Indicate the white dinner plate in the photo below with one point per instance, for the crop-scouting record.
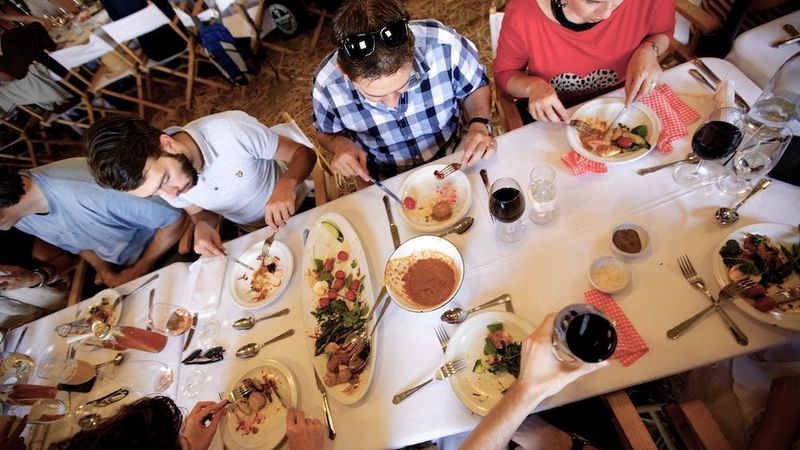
(426, 190)
(107, 295)
(240, 281)
(779, 233)
(480, 392)
(607, 108)
(323, 244)
(273, 428)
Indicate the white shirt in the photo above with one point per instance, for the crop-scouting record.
(239, 172)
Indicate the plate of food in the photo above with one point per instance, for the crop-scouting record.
(259, 419)
(337, 296)
(770, 254)
(432, 203)
(106, 307)
(424, 273)
(252, 290)
(623, 142)
(490, 342)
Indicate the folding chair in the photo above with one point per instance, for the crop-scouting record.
(506, 108)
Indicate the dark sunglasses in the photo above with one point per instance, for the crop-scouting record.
(361, 45)
(211, 355)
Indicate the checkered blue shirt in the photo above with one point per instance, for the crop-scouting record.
(446, 70)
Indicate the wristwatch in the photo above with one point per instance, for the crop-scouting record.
(485, 122)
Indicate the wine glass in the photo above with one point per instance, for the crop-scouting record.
(583, 332)
(715, 139)
(754, 158)
(66, 371)
(169, 319)
(507, 204)
(146, 377)
(542, 193)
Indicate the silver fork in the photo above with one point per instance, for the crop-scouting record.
(266, 247)
(691, 276)
(238, 393)
(442, 336)
(727, 293)
(447, 170)
(449, 369)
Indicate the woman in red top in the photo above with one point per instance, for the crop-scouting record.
(563, 52)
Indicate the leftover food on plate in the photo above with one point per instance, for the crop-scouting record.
(616, 141)
(251, 411)
(775, 266)
(500, 353)
(266, 279)
(432, 207)
(102, 310)
(425, 279)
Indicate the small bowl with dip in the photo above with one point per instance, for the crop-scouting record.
(424, 273)
(629, 240)
(608, 274)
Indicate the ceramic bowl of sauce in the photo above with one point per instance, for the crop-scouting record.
(610, 275)
(629, 240)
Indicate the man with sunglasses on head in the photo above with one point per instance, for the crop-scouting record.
(390, 97)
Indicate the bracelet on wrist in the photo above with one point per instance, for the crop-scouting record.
(45, 274)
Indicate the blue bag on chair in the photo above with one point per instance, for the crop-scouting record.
(222, 51)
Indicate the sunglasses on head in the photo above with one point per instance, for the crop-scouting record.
(361, 45)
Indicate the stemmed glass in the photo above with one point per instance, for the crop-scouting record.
(169, 319)
(583, 332)
(207, 334)
(507, 204)
(715, 139)
(146, 377)
(542, 193)
(754, 158)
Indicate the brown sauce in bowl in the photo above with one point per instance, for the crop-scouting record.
(627, 240)
(429, 282)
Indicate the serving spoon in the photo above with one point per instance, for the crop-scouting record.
(252, 349)
(361, 353)
(458, 315)
(727, 216)
(246, 323)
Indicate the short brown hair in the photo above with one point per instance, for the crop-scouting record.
(117, 148)
(366, 16)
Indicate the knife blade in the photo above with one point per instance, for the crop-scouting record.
(485, 178)
(386, 190)
(326, 407)
(740, 102)
(240, 263)
(618, 118)
(150, 306)
(784, 42)
(191, 332)
(392, 226)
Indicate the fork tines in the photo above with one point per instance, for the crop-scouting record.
(442, 336)
(454, 366)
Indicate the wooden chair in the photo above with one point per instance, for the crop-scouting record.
(506, 109)
(251, 19)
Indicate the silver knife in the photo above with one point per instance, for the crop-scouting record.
(325, 405)
(485, 179)
(392, 226)
(617, 118)
(784, 42)
(387, 191)
(150, 306)
(740, 102)
(133, 291)
(191, 332)
(240, 263)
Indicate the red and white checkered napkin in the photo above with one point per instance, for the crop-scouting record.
(673, 113)
(581, 166)
(630, 346)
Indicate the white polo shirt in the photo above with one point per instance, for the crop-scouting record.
(239, 172)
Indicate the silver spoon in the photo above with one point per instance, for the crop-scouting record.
(252, 349)
(691, 158)
(727, 216)
(116, 361)
(458, 315)
(361, 352)
(459, 227)
(245, 323)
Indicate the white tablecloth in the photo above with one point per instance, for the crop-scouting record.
(754, 56)
(544, 272)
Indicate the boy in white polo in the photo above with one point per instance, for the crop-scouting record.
(226, 164)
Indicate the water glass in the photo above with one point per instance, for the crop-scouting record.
(193, 383)
(507, 205)
(208, 332)
(759, 152)
(169, 319)
(542, 194)
(57, 369)
(583, 332)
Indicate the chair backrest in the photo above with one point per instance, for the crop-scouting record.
(78, 55)
(292, 131)
(132, 26)
(495, 23)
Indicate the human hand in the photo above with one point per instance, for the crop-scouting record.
(207, 241)
(16, 277)
(540, 370)
(106, 276)
(303, 433)
(280, 205)
(478, 145)
(197, 433)
(543, 102)
(350, 161)
(642, 73)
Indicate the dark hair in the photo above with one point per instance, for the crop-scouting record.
(11, 187)
(149, 423)
(366, 16)
(117, 148)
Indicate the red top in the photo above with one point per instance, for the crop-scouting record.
(577, 63)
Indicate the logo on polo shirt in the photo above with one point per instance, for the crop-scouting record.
(239, 174)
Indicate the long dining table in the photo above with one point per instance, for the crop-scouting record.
(544, 272)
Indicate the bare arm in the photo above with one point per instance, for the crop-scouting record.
(281, 204)
(207, 241)
(105, 271)
(162, 241)
(478, 144)
(349, 159)
(643, 68)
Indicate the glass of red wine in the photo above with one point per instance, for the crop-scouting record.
(715, 139)
(507, 204)
(583, 332)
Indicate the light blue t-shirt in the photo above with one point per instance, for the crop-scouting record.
(84, 216)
